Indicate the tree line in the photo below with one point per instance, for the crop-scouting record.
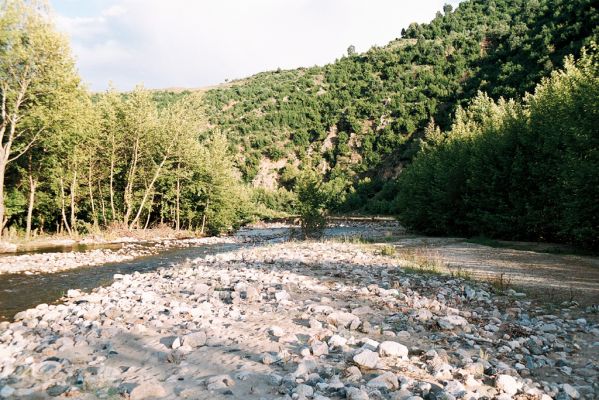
(525, 170)
(73, 162)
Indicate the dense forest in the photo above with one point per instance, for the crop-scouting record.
(388, 131)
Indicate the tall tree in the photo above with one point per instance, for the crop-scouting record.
(37, 73)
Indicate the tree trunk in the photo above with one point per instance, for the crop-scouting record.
(128, 195)
(147, 192)
(73, 211)
(102, 205)
(63, 210)
(113, 216)
(149, 212)
(178, 208)
(2, 206)
(91, 195)
(32, 187)
(204, 216)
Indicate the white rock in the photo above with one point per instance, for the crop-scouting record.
(508, 384)
(281, 296)
(342, 319)
(319, 348)
(393, 349)
(147, 391)
(366, 358)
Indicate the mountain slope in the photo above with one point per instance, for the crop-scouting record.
(362, 115)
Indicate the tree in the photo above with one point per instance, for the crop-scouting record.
(37, 75)
(222, 193)
(351, 50)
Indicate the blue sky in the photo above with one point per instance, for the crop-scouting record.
(197, 43)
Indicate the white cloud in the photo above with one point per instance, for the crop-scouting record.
(198, 43)
(114, 11)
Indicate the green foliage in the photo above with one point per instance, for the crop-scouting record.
(313, 201)
(315, 197)
(366, 114)
(225, 199)
(516, 171)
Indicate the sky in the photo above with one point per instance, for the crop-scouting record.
(199, 43)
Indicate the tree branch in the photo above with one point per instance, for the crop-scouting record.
(27, 147)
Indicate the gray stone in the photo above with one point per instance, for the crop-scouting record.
(452, 321)
(388, 380)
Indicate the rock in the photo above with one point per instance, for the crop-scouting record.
(507, 384)
(423, 315)
(319, 348)
(337, 341)
(353, 393)
(342, 319)
(282, 296)
(388, 380)
(6, 392)
(73, 293)
(201, 289)
(570, 391)
(367, 359)
(219, 382)
(195, 339)
(147, 391)
(56, 390)
(314, 323)
(276, 331)
(393, 349)
(353, 374)
(269, 358)
(455, 388)
(6, 247)
(304, 391)
(451, 321)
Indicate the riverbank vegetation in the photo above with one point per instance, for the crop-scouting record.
(75, 162)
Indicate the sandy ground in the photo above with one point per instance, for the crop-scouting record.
(550, 277)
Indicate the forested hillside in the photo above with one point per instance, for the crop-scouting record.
(359, 119)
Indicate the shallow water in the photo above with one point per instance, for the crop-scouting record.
(19, 292)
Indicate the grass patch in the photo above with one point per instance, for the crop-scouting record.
(500, 283)
(388, 250)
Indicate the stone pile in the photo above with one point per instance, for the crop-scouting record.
(299, 321)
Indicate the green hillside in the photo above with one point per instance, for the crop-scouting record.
(361, 115)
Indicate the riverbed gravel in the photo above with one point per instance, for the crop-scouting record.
(300, 320)
(52, 262)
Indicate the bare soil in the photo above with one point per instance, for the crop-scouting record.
(548, 277)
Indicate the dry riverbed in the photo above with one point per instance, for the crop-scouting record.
(299, 320)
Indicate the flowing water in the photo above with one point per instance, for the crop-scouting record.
(19, 291)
